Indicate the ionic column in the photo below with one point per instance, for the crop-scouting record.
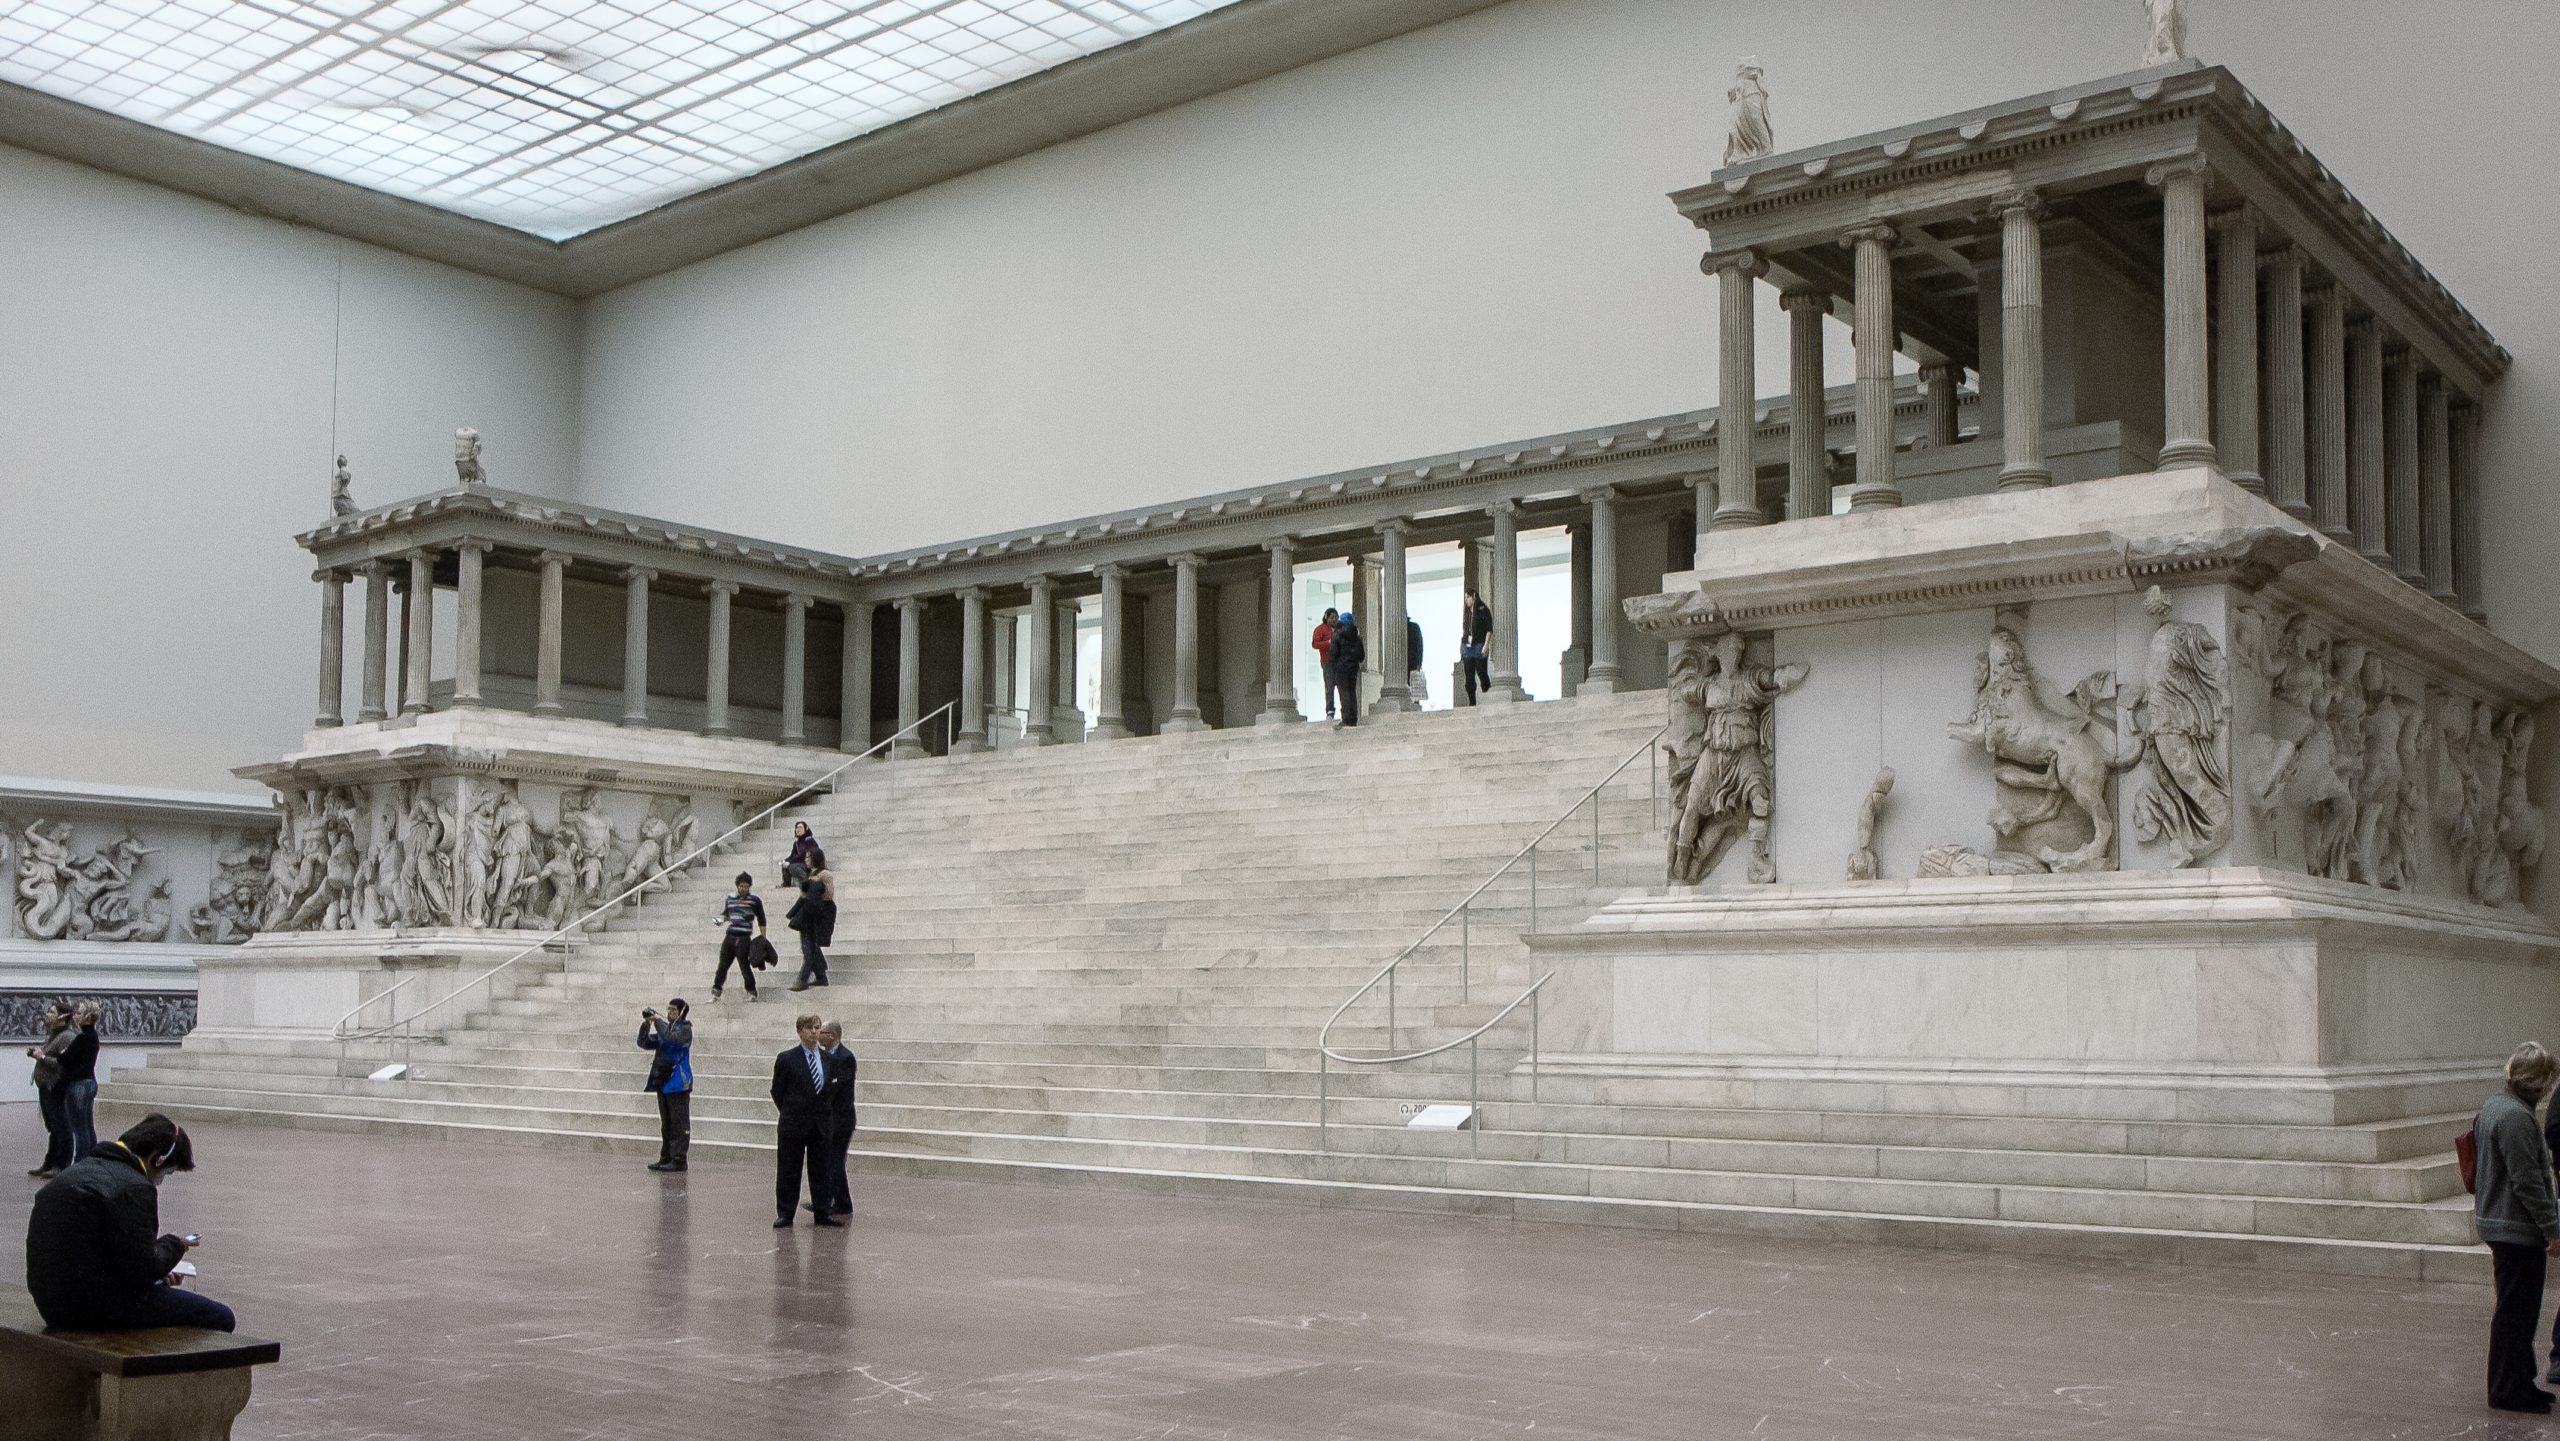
(1702, 504)
(1938, 401)
(853, 683)
(2435, 486)
(2367, 509)
(1504, 664)
(1808, 466)
(466, 620)
(2325, 434)
(795, 669)
(715, 679)
(2400, 465)
(2466, 510)
(1186, 646)
(2288, 467)
(1280, 695)
(377, 639)
(1043, 625)
(909, 744)
(973, 673)
(400, 676)
(635, 644)
(1605, 676)
(1737, 464)
(546, 645)
(422, 630)
(1395, 666)
(2187, 415)
(1872, 247)
(1111, 721)
(2235, 431)
(2022, 462)
(333, 648)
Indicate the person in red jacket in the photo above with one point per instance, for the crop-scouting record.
(1322, 640)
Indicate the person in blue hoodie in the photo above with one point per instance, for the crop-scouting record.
(2514, 1212)
(671, 1078)
(1342, 669)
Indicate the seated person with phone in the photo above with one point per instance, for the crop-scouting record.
(95, 1260)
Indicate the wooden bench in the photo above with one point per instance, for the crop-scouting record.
(175, 1383)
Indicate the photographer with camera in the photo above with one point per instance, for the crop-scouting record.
(671, 1078)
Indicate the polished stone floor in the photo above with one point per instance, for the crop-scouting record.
(439, 1289)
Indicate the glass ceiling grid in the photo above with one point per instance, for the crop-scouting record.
(548, 116)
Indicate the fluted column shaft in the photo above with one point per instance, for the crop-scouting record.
(333, 648)
(2186, 412)
(377, 639)
(2465, 441)
(2400, 465)
(2288, 465)
(548, 632)
(2235, 431)
(467, 613)
(2325, 431)
(2368, 513)
(1185, 715)
(715, 678)
(853, 682)
(1604, 675)
(1505, 582)
(1395, 665)
(1808, 464)
(795, 669)
(911, 677)
(2435, 482)
(972, 736)
(1702, 490)
(1871, 248)
(1938, 402)
(2022, 462)
(1280, 695)
(1737, 386)
(1111, 720)
(422, 630)
(400, 676)
(1042, 622)
(635, 645)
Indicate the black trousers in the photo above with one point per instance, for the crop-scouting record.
(2511, 1326)
(802, 1145)
(675, 1125)
(813, 961)
(733, 947)
(839, 1141)
(1479, 676)
(1348, 687)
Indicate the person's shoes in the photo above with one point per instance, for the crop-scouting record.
(715, 995)
(832, 1222)
(820, 981)
(783, 1225)
(666, 1165)
(43, 1174)
(798, 986)
(2537, 1402)
(751, 996)
(841, 1211)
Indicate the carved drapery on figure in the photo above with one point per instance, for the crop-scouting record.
(2165, 42)
(2053, 759)
(466, 457)
(62, 897)
(2182, 713)
(342, 499)
(1862, 856)
(1750, 136)
(1722, 756)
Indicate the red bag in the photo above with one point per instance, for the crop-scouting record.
(2466, 1151)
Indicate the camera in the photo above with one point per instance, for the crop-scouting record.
(648, 1011)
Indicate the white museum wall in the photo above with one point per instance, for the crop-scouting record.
(175, 378)
(1456, 238)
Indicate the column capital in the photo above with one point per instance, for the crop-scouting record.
(1397, 526)
(1792, 300)
(2230, 216)
(2168, 170)
(418, 555)
(2327, 296)
(1037, 583)
(1745, 260)
(482, 546)
(2279, 256)
(327, 574)
(797, 600)
(1504, 509)
(905, 602)
(2430, 383)
(2010, 202)
(1190, 558)
(2360, 326)
(974, 594)
(719, 587)
(1597, 495)
(640, 573)
(553, 557)
(1111, 570)
(1877, 231)
(1945, 369)
(1279, 543)
(372, 568)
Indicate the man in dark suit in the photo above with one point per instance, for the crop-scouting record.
(839, 1116)
(803, 1083)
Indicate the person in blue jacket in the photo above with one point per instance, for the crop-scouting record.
(671, 1078)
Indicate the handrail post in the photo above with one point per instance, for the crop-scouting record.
(1533, 889)
(1324, 1074)
(1391, 1010)
(1534, 993)
(1466, 947)
(1595, 835)
(1653, 781)
(1475, 1102)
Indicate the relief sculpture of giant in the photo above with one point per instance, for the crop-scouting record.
(1722, 755)
(2053, 759)
(60, 896)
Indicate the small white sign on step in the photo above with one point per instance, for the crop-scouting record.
(1442, 1118)
(391, 1072)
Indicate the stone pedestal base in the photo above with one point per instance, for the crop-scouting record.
(2221, 995)
(297, 986)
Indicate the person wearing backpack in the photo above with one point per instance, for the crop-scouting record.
(2515, 1214)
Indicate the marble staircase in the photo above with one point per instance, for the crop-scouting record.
(1106, 965)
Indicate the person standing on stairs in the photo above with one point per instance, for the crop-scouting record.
(2515, 1215)
(804, 1091)
(1475, 633)
(840, 1122)
(814, 917)
(671, 1078)
(1342, 673)
(1417, 683)
(803, 841)
(742, 922)
(1322, 643)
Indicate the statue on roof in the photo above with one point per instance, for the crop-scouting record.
(466, 457)
(1750, 137)
(2167, 43)
(340, 502)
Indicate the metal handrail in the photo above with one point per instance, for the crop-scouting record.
(948, 712)
(1462, 913)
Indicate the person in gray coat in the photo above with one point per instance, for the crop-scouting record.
(2513, 1210)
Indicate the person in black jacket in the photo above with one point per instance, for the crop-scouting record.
(1475, 635)
(814, 917)
(840, 1118)
(1416, 683)
(93, 1260)
(80, 1081)
(671, 1080)
(804, 1091)
(1350, 652)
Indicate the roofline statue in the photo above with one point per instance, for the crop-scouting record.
(1750, 138)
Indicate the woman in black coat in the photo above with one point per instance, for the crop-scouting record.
(814, 917)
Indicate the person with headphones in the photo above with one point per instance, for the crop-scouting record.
(94, 1262)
